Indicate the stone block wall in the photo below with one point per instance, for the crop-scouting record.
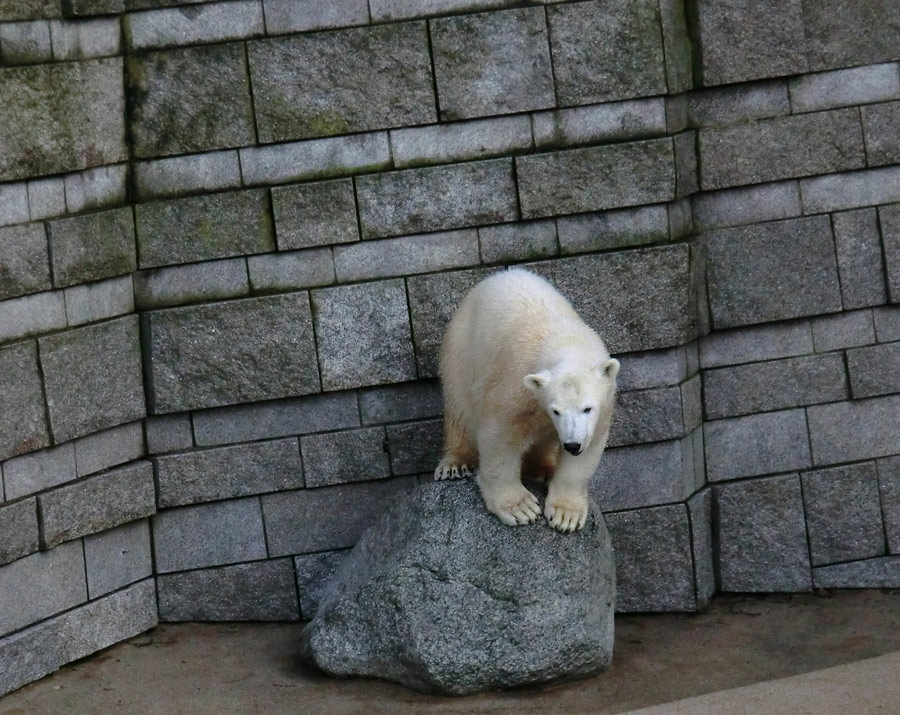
(232, 234)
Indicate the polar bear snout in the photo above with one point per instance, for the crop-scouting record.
(573, 448)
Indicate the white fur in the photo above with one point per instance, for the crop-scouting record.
(519, 369)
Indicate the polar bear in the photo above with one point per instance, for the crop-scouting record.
(528, 390)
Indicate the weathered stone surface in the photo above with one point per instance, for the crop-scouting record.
(24, 263)
(193, 283)
(195, 537)
(841, 33)
(647, 416)
(440, 197)
(613, 229)
(316, 214)
(92, 302)
(118, 557)
(887, 323)
(442, 143)
(81, 8)
(757, 342)
(238, 351)
(91, 247)
(871, 573)
(762, 536)
(843, 514)
(36, 471)
(262, 591)
(283, 16)
(677, 44)
(596, 178)
(469, 599)
(363, 335)
(843, 330)
(168, 433)
(881, 125)
(653, 559)
(874, 370)
(340, 82)
(203, 227)
(700, 514)
(403, 9)
(180, 175)
(11, 10)
(845, 87)
(775, 385)
(46, 198)
(858, 247)
(603, 122)
(84, 40)
(653, 368)
(187, 100)
(415, 447)
(817, 143)
(109, 448)
(518, 241)
(853, 430)
(729, 105)
(747, 204)
(850, 189)
(756, 444)
(340, 457)
(19, 529)
(31, 314)
(772, 271)
(22, 43)
(492, 63)
(890, 237)
(314, 572)
(207, 22)
(61, 117)
(96, 188)
(228, 472)
(606, 50)
(395, 403)
(889, 490)
(278, 272)
(81, 397)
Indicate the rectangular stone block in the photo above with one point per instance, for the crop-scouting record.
(40, 586)
(46, 198)
(323, 84)
(775, 385)
(18, 530)
(383, 10)
(647, 416)
(82, 8)
(845, 87)
(96, 188)
(416, 447)
(442, 143)
(762, 536)
(758, 342)
(850, 190)
(874, 370)
(82, 399)
(837, 38)
(728, 105)
(518, 241)
(700, 515)
(757, 444)
(871, 573)
(117, 558)
(109, 448)
(881, 124)
(24, 262)
(889, 490)
(631, 119)
(13, 203)
(278, 272)
(317, 159)
(492, 63)
(772, 271)
(40, 650)
(36, 471)
(596, 178)
(889, 217)
(23, 43)
(406, 255)
(278, 418)
(327, 518)
(168, 433)
(314, 572)
(61, 117)
(179, 175)
(843, 330)
(208, 22)
(853, 430)
(193, 283)
(677, 46)
(341, 457)
(224, 353)
(317, 214)
(11, 10)
(261, 591)
(613, 229)
(860, 265)
(440, 197)
(654, 564)
(653, 368)
(887, 323)
(91, 302)
(396, 403)
(31, 315)
(753, 153)
(196, 537)
(227, 472)
(91, 247)
(604, 51)
(85, 39)
(96, 504)
(204, 227)
(363, 335)
(747, 204)
(284, 16)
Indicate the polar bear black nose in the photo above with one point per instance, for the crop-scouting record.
(572, 447)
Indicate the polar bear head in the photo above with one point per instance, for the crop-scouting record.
(576, 399)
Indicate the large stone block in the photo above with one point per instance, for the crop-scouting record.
(192, 283)
(92, 378)
(84, 40)
(773, 149)
(739, 103)
(291, 270)
(843, 330)
(187, 174)
(841, 33)
(761, 534)
(340, 457)
(845, 87)
(341, 82)
(853, 430)
(189, 100)
(261, 591)
(747, 204)
(92, 302)
(96, 188)
(18, 530)
(224, 353)
(91, 247)
(415, 447)
(647, 416)
(23, 422)
(889, 490)
(871, 573)
(850, 190)
(11, 10)
(621, 228)
(316, 214)
(881, 125)
(168, 433)
(24, 262)
(203, 227)
(109, 448)
(440, 197)
(606, 50)
(46, 197)
(363, 335)
(492, 63)
(518, 241)
(36, 471)
(653, 368)
(61, 117)
(632, 119)
(874, 370)
(757, 342)
(860, 265)
(31, 315)
(117, 557)
(843, 514)
(772, 271)
(228, 472)
(396, 403)
(284, 16)
(596, 178)
(207, 22)
(887, 323)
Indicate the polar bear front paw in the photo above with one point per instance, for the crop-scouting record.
(515, 507)
(567, 514)
(450, 469)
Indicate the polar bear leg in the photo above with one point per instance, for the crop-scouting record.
(459, 452)
(566, 507)
(499, 478)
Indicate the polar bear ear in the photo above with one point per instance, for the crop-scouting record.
(538, 380)
(610, 369)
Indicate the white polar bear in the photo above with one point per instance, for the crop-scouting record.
(528, 390)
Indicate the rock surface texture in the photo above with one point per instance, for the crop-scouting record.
(442, 597)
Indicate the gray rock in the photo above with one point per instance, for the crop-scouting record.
(492, 63)
(237, 351)
(340, 82)
(416, 447)
(842, 33)
(889, 489)
(349, 456)
(24, 264)
(314, 572)
(853, 430)
(881, 124)
(606, 50)
(18, 530)
(189, 100)
(91, 247)
(117, 557)
(317, 214)
(405, 606)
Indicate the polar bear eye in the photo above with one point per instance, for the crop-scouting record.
(556, 412)
(587, 410)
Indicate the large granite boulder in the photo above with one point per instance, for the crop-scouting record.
(442, 597)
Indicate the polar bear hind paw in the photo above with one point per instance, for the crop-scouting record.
(566, 515)
(450, 469)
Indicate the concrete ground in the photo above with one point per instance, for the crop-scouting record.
(217, 669)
